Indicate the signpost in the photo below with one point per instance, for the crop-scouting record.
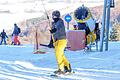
(68, 18)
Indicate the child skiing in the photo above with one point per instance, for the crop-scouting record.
(59, 39)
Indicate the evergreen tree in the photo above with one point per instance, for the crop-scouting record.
(115, 33)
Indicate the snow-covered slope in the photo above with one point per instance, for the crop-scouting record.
(19, 63)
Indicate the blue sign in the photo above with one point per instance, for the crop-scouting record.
(68, 18)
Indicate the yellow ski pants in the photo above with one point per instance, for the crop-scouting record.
(93, 37)
(59, 52)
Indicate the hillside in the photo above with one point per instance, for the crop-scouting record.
(115, 12)
(28, 26)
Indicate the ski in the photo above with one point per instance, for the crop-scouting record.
(64, 74)
(39, 52)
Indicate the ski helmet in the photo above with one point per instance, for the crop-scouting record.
(56, 13)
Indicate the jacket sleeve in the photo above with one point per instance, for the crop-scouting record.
(6, 36)
(53, 30)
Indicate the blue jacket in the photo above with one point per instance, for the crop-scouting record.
(3, 35)
(16, 31)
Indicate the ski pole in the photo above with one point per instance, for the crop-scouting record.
(49, 22)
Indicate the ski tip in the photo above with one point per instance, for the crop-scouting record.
(39, 52)
(54, 75)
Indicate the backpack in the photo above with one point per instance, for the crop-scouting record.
(19, 30)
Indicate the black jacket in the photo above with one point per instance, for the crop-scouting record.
(59, 32)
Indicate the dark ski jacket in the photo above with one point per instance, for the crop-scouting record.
(3, 34)
(83, 26)
(16, 30)
(58, 30)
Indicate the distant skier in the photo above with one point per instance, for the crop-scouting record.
(3, 37)
(59, 39)
(16, 33)
(12, 39)
(97, 32)
(75, 27)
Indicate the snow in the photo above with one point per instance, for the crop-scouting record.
(19, 63)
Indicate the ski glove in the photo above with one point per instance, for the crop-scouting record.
(53, 30)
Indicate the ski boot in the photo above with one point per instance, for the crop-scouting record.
(66, 70)
(59, 72)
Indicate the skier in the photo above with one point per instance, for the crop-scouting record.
(59, 39)
(83, 26)
(16, 33)
(97, 32)
(3, 37)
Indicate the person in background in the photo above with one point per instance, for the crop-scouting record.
(75, 27)
(3, 37)
(8, 41)
(84, 26)
(97, 31)
(12, 39)
(16, 33)
(59, 40)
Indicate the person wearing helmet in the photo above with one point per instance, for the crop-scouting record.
(59, 39)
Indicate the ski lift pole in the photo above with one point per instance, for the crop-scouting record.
(107, 25)
(103, 26)
(46, 13)
(36, 37)
(90, 42)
